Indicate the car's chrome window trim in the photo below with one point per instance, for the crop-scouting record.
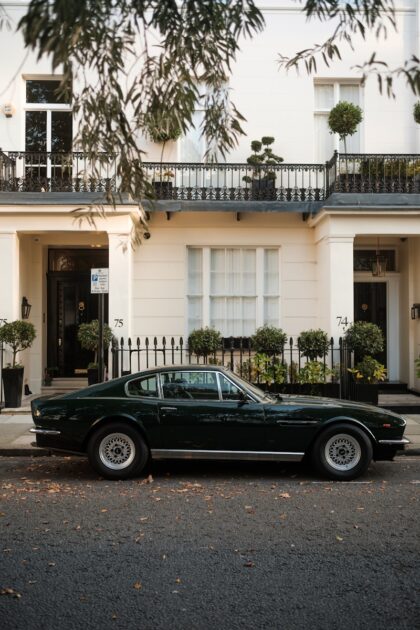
(249, 395)
(189, 371)
(127, 393)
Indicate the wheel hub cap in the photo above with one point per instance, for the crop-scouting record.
(343, 452)
(117, 451)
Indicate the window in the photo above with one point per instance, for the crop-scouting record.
(327, 95)
(229, 390)
(234, 290)
(48, 129)
(146, 386)
(190, 385)
(363, 259)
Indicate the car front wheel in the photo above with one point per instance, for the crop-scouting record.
(117, 451)
(342, 452)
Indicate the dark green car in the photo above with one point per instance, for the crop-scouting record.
(207, 412)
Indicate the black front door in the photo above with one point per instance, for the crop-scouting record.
(70, 303)
(370, 306)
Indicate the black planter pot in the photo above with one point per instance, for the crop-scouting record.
(93, 376)
(263, 189)
(13, 384)
(329, 390)
(163, 190)
(364, 392)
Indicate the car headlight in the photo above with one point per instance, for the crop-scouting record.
(37, 413)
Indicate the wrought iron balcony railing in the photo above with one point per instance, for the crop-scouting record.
(353, 173)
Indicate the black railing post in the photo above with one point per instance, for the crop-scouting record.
(114, 353)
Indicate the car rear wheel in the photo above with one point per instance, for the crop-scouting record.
(342, 452)
(117, 451)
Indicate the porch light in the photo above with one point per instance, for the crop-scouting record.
(415, 311)
(379, 263)
(26, 308)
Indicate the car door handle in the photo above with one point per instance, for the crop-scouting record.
(168, 408)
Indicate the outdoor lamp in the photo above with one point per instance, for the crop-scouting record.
(26, 308)
(415, 311)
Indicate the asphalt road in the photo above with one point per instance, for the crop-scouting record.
(211, 546)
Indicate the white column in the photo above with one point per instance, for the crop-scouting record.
(335, 284)
(9, 276)
(120, 284)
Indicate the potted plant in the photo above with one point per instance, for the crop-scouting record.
(365, 339)
(366, 373)
(162, 183)
(269, 340)
(263, 176)
(18, 335)
(344, 119)
(204, 342)
(88, 336)
(315, 345)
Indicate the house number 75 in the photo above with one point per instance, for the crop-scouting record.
(118, 323)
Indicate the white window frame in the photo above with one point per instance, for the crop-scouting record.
(259, 296)
(43, 107)
(324, 111)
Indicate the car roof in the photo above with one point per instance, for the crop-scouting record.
(187, 367)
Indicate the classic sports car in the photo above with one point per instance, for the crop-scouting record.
(207, 412)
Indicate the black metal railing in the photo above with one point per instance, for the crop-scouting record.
(22, 171)
(376, 173)
(131, 356)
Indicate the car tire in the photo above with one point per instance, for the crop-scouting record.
(342, 452)
(117, 451)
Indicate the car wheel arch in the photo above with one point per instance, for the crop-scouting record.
(120, 418)
(339, 420)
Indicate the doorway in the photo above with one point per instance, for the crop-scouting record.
(70, 303)
(370, 305)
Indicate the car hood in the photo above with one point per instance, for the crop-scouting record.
(334, 402)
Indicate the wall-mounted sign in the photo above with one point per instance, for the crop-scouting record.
(99, 280)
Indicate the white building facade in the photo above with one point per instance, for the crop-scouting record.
(219, 254)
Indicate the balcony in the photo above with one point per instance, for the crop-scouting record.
(284, 183)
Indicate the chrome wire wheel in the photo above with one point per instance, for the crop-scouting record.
(342, 452)
(117, 451)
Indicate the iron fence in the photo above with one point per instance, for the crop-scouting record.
(237, 354)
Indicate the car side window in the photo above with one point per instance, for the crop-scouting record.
(146, 386)
(190, 385)
(229, 390)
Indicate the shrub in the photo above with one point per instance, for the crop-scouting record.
(417, 362)
(268, 370)
(344, 119)
(204, 341)
(19, 335)
(369, 370)
(416, 112)
(314, 344)
(262, 158)
(364, 338)
(269, 340)
(314, 372)
(88, 335)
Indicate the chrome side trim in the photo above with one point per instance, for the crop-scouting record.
(45, 431)
(400, 442)
(279, 456)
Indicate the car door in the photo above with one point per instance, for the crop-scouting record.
(206, 411)
(190, 413)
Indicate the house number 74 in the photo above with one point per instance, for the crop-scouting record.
(342, 321)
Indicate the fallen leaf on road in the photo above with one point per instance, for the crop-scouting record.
(249, 564)
(11, 592)
(339, 538)
(284, 495)
(138, 586)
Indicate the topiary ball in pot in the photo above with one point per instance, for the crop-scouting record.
(364, 338)
(314, 344)
(204, 341)
(269, 340)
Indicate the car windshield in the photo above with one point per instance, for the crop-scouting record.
(253, 389)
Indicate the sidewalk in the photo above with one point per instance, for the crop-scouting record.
(15, 438)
